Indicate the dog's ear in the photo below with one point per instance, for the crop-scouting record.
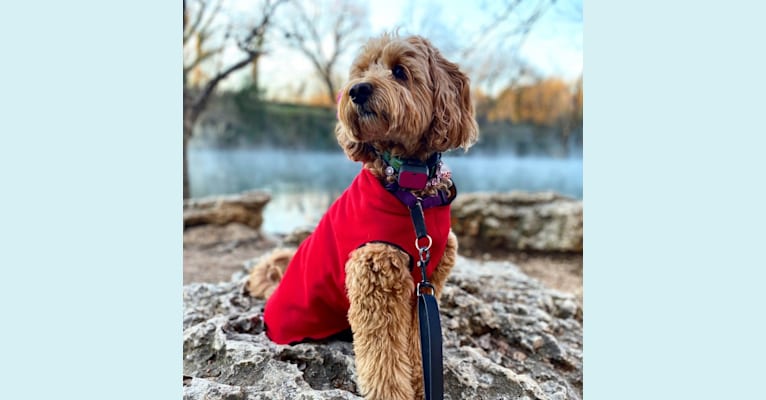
(453, 122)
(356, 151)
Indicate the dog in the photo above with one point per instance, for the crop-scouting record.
(357, 270)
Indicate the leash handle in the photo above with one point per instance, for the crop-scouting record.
(431, 345)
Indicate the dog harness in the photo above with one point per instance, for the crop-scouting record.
(310, 302)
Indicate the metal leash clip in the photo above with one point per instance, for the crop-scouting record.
(421, 286)
(424, 254)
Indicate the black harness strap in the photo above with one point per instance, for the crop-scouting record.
(418, 220)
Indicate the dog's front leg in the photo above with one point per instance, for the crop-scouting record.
(439, 277)
(380, 291)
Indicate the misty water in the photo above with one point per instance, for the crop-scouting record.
(304, 183)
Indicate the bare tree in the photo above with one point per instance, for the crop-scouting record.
(488, 50)
(198, 31)
(201, 24)
(504, 33)
(323, 31)
(426, 18)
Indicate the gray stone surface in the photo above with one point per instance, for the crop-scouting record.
(245, 208)
(518, 221)
(505, 337)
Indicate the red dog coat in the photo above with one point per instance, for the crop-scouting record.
(310, 301)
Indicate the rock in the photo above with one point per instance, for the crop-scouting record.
(505, 337)
(212, 253)
(518, 221)
(221, 236)
(566, 308)
(521, 318)
(297, 236)
(198, 388)
(245, 208)
(471, 375)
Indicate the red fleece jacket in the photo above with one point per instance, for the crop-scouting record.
(310, 301)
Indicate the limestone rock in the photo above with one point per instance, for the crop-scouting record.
(505, 337)
(245, 208)
(515, 221)
(297, 236)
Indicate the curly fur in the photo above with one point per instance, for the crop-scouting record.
(266, 274)
(431, 111)
(428, 112)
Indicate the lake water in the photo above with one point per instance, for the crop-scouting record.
(303, 183)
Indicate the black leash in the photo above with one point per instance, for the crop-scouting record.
(414, 174)
(428, 314)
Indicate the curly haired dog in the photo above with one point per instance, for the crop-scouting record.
(403, 101)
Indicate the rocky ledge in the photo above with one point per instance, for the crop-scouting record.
(244, 208)
(518, 221)
(505, 337)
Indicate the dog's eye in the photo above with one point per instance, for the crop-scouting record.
(399, 72)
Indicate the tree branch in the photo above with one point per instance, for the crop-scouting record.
(306, 34)
(246, 45)
(201, 100)
(188, 33)
(522, 27)
(204, 56)
(210, 19)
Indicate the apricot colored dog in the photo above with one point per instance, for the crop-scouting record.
(357, 270)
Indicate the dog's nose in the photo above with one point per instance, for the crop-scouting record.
(360, 92)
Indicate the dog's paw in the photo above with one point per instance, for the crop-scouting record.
(265, 276)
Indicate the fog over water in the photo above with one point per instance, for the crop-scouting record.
(304, 183)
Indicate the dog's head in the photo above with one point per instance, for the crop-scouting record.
(403, 95)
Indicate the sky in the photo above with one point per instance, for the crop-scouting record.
(552, 48)
(554, 45)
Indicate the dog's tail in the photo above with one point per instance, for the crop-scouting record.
(266, 274)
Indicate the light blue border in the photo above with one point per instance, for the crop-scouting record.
(90, 210)
(90, 165)
(674, 200)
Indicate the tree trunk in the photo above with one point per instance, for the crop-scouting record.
(187, 193)
(566, 130)
(189, 120)
(254, 74)
(331, 92)
(195, 104)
